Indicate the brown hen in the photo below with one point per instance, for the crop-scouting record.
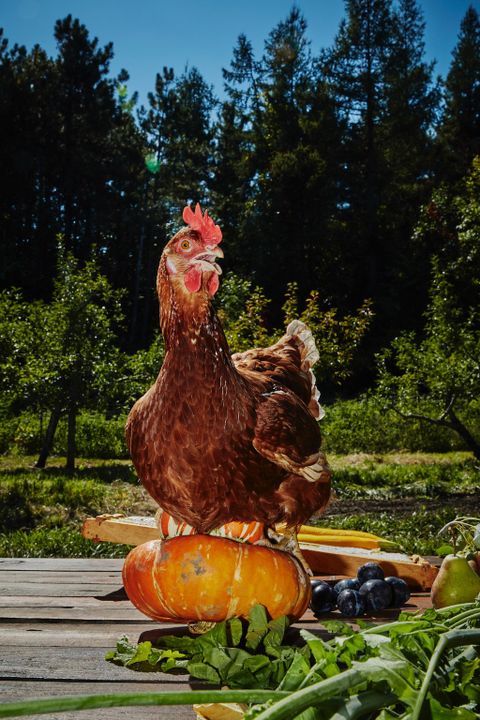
(221, 437)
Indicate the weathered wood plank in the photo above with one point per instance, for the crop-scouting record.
(85, 635)
(59, 576)
(79, 614)
(112, 528)
(116, 599)
(20, 690)
(74, 664)
(65, 564)
(46, 589)
(325, 559)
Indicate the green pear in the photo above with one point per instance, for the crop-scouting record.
(455, 583)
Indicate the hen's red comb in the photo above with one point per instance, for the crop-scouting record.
(211, 233)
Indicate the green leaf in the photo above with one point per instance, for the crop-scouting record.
(295, 674)
(217, 636)
(257, 662)
(141, 654)
(202, 671)
(274, 637)
(218, 658)
(235, 628)
(257, 627)
(440, 712)
(126, 651)
(183, 644)
(445, 549)
(337, 627)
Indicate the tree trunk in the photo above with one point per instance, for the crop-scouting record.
(49, 435)
(72, 429)
(464, 433)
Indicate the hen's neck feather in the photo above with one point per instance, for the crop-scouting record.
(190, 324)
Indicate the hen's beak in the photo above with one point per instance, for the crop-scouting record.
(206, 260)
(215, 250)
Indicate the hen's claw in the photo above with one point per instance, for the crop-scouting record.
(287, 541)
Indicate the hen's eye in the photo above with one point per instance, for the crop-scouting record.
(186, 245)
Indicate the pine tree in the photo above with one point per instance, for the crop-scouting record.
(405, 137)
(230, 186)
(189, 146)
(355, 71)
(287, 221)
(86, 112)
(28, 207)
(388, 99)
(459, 131)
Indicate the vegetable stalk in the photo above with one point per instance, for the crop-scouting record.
(452, 638)
(90, 702)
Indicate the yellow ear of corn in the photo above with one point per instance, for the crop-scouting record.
(340, 540)
(367, 543)
(314, 530)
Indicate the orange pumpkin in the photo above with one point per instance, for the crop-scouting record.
(246, 531)
(200, 577)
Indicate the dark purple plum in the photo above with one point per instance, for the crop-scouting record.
(347, 584)
(370, 571)
(400, 591)
(351, 603)
(377, 595)
(323, 597)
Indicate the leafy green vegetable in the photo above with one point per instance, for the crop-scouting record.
(424, 660)
(422, 666)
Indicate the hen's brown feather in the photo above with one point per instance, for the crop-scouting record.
(220, 438)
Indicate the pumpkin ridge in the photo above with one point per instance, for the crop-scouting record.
(303, 580)
(237, 573)
(157, 580)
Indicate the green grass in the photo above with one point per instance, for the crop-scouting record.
(416, 532)
(406, 497)
(42, 511)
(65, 541)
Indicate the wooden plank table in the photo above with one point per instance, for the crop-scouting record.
(58, 617)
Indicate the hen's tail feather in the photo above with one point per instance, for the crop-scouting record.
(309, 355)
(309, 351)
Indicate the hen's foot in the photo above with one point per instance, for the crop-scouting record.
(200, 627)
(288, 542)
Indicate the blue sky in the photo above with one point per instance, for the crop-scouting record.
(148, 34)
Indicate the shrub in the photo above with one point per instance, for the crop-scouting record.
(353, 426)
(97, 436)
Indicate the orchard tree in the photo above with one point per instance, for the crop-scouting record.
(436, 377)
(62, 356)
(243, 308)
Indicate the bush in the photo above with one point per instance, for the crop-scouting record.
(20, 434)
(97, 436)
(352, 426)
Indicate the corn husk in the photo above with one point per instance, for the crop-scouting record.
(220, 711)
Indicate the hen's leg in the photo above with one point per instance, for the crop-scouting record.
(288, 542)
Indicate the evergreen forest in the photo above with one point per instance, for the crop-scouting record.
(346, 184)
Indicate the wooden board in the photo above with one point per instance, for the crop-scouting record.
(9, 691)
(55, 644)
(323, 559)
